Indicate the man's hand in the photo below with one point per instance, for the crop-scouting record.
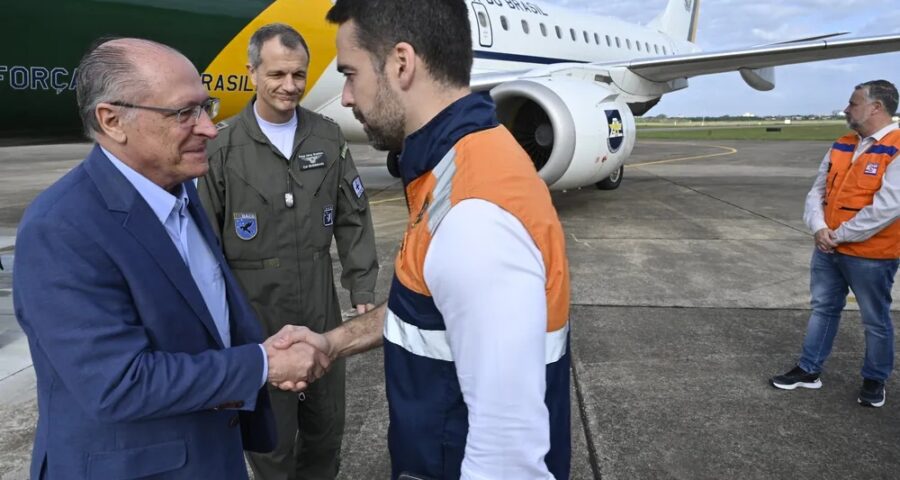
(296, 358)
(825, 240)
(364, 307)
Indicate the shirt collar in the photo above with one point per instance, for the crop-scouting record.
(159, 200)
(877, 136)
(425, 147)
(262, 121)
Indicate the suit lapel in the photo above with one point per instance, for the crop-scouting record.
(138, 219)
(242, 319)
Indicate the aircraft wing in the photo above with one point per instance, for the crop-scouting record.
(666, 68)
(663, 69)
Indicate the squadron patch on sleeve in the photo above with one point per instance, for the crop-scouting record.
(245, 225)
(871, 169)
(358, 188)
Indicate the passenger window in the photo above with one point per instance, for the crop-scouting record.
(597, 39)
(628, 43)
(618, 43)
(664, 50)
(543, 30)
(586, 38)
(503, 23)
(638, 44)
(608, 41)
(558, 32)
(482, 20)
(525, 26)
(646, 44)
(656, 48)
(572, 32)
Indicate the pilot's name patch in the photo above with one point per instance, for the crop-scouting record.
(308, 161)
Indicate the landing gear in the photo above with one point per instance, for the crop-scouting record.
(613, 181)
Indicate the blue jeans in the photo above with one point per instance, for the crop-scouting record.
(871, 280)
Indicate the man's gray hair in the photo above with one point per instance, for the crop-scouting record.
(881, 91)
(107, 73)
(289, 37)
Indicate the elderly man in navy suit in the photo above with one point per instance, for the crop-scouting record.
(149, 360)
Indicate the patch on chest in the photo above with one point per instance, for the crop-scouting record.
(871, 168)
(245, 225)
(328, 215)
(308, 161)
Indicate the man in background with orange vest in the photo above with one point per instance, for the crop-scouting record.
(853, 208)
(475, 330)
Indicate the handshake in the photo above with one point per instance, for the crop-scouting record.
(297, 357)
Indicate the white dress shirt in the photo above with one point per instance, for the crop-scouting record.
(172, 212)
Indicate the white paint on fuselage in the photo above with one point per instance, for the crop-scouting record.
(608, 40)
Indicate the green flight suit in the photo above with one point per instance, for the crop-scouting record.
(276, 218)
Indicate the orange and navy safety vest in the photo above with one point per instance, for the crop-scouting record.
(464, 154)
(851, 186)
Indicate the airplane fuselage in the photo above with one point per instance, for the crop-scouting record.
(45, 41)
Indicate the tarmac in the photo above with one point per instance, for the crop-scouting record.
(689, 290)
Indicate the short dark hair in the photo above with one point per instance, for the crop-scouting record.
(882, 91)
(289, 37)
(438, 30)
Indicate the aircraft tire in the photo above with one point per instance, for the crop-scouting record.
(613, 181)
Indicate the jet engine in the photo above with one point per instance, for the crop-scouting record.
(576, 132)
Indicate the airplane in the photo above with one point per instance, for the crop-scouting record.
(566, 84)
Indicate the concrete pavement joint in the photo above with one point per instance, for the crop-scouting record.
(13, 374)
(593, 458)
(726, 202)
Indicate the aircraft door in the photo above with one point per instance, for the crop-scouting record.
(485, 35)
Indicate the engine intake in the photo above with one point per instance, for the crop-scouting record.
(575, 132)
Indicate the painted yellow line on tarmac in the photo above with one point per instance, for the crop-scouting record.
(728, 151)
(386, 200)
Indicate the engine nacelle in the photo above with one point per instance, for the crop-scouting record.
(576, 133)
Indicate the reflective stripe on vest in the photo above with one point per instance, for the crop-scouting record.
(433, 343)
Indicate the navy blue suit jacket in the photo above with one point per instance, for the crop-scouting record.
(130, 367)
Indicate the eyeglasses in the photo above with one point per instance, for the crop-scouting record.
(182, 115)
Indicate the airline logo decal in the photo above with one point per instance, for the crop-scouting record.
(616, 130)
(226, 76)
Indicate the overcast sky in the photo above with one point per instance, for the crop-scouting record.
(809, 88)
